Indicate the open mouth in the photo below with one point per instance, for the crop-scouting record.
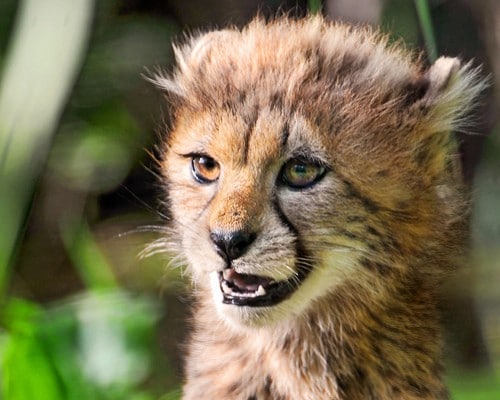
(256, 291)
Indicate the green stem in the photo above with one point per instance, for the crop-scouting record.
(314, 6)
(424, 17)
(84, 252)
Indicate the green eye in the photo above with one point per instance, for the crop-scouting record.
(300, 174)
(205, 169)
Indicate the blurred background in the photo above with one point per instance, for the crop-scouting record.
(82, 314)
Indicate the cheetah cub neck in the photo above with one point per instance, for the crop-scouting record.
(313, 186)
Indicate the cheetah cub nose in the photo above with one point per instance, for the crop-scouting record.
(233, 244)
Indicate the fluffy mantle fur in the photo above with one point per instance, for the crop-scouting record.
(378, 233)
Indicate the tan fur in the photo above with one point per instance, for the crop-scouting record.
(379, 231)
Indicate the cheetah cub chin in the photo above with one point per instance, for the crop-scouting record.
(314, 194)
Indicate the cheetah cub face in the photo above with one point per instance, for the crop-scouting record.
(256, 206)
(304, 156)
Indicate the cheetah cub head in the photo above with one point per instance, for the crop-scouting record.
(304, 156)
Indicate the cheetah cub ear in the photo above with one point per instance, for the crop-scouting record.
(440, 75)
(448, 95)
(451, 91)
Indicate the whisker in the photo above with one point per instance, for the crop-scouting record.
(143, 229)
(144, 204)
(156, 174)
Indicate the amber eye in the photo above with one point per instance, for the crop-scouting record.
(205, 169)
(300, 174)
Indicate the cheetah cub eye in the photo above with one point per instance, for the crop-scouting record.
(301, 174)
(204, 169)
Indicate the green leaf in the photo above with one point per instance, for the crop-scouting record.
(27, 371)
(29, 112)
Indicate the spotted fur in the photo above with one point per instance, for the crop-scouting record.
(376, 235)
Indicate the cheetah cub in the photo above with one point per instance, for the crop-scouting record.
(312, 181)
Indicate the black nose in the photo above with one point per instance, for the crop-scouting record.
(231, 245)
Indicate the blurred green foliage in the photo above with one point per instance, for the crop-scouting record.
(92, 347)
(99, 343)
